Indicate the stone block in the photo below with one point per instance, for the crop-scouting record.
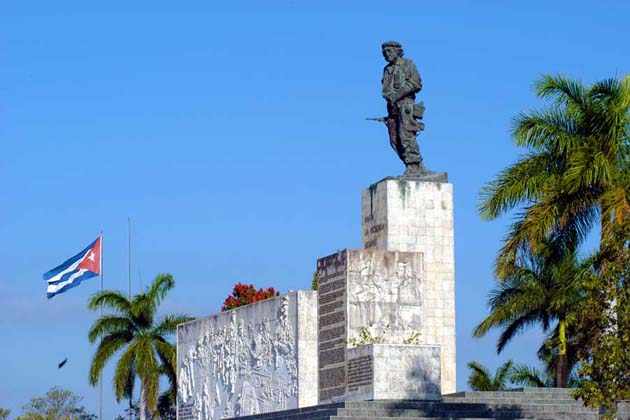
(367, 293)
(393, 372)
(254, 359)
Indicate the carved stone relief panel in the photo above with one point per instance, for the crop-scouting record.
(385, 295)
(240, 362)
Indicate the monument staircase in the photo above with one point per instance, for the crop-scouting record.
(524, 403)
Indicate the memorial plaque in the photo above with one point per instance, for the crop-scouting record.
(331, 272)
(360, 372)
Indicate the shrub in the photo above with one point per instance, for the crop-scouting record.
(244, 294)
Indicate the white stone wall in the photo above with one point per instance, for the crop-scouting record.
(254, 359)
(394, 372)
(417, 216)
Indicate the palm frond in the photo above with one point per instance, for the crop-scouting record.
(110, 299)
(528, 376)
(516, 327)
(520, 183)
(109, 324)
(160, 287)
(107, 347)
(501, 375)
(125, 372)
(546, 130)
(563, 90)
(479, 379)
(167, 354)
(147, 368)
(168, 324)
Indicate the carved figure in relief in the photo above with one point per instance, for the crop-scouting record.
(187, 378)
(409, 285)
(258, 350)
(364, 288)
(247, 402)
(205, 403)
(283, 343)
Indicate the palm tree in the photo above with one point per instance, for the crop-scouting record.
(133, 329)
(575, 174)
(480, 378)
(540, 288)
(4, 413)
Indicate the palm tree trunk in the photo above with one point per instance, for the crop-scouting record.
(562, 373)
(144, 414)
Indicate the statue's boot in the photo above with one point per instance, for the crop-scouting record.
(414, 170)
(417, 170)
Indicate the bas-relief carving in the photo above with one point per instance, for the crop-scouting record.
(385, 295)
(239, 363)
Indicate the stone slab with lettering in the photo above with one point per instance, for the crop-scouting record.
(417, 216)
(254, 359)
(378, 294)
(394, 372)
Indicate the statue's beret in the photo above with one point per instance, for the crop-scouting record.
(391, 44)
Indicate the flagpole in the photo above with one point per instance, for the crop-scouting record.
(129, 255)
(100, 380)
(129, 282)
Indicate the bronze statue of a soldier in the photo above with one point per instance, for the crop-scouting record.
(401, 83)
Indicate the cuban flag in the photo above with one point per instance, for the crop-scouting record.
(86, 264)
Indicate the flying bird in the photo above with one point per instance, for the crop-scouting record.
(63, 362)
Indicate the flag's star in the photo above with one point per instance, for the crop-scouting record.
(91, 256)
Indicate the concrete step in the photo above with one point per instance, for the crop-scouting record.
(418, 409)
(528, 403)
(423, 418)
(524, 393)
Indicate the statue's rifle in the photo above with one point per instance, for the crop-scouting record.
(379, 119)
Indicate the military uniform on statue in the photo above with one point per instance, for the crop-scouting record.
(401, 82)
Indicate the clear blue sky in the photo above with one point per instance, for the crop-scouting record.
(234, 136)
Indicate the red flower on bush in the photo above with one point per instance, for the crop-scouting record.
(244, 294)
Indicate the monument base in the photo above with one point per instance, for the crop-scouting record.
(407, 215)
(394, 372)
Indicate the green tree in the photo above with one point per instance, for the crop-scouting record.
(57, 404)
(481, 379)
(132, 328)
(604, 321)
(4, 413)
(541, 288)
(574, 175)
(575, 172)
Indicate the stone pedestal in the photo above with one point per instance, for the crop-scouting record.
(254, 359)
(393, 372)
(417, 216)
(399, 289)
